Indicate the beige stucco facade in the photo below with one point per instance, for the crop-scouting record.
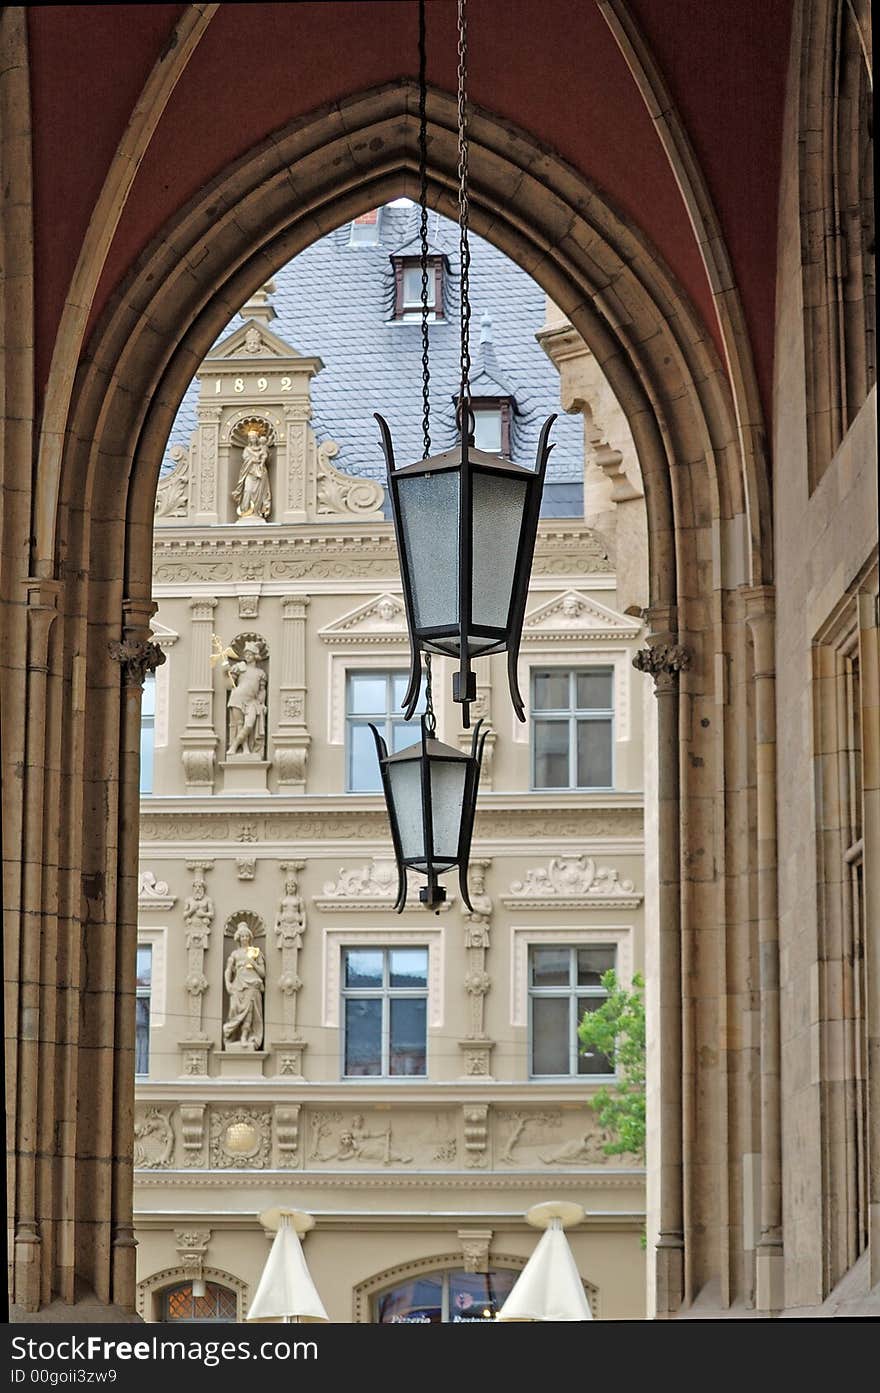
(442, 1168)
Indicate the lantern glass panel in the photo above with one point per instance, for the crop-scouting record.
(498, 507)
(428, 506)
(447, 805)
(406, 794)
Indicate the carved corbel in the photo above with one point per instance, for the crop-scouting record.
(475, 1248)
(192, 1249)
(664, 661)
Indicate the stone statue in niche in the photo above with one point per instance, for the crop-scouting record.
(246, 703)
(252, 494)
(245, 978)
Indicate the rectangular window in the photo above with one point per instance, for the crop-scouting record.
(408, 289)
(375, 698)
(385, 1012)
(142, 1008)
(565, 983)
(572, 728)
(148, 732)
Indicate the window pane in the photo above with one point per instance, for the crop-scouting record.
(142, 1035)
(144, 965)
(404, 733)
(551, 967)
(414, 1303)
(551, 691)
(148, 698)
(551, 754)
(478, 1295)
(364, 775)
(407, 1048)
(551, 1040)
(363, 968)
(399, 684)
(412, 284)
(367, 693)
(148, 740)
(593, 1062)
(594, 754)
(487, 430)
(591, 963)
(363, 1037)
(594, 691)
(409, 967)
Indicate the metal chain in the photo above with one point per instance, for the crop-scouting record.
(423, 229)
(463, 214)
(430, 718)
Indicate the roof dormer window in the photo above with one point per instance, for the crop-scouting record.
(492, 424)
(366, 230)
(408, 286)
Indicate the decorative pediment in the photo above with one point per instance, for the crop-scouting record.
(379, 621)
(253, 340)
(162, 635)
(574, 615)
(572, 882)
(373, 886)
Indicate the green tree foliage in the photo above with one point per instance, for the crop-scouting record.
(617, 1029)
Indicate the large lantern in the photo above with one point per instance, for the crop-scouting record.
(465, 523)
(431, 795)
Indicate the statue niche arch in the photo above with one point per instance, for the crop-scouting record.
(709, 555)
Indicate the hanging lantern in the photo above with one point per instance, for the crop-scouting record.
(431, 795)
(465, 521)
(466, 524)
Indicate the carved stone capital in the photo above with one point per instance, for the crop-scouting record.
(664, 661)
(137, 657)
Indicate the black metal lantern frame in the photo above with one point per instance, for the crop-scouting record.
(431, 796)
(465, 568)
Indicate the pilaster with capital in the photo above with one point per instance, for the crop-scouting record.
(297, 414)
(199, 739)
(198, 919)
(291, 739)
(476, 1048)
(205, 482)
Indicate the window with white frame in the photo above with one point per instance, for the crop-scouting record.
(384, 1012)
(375, 698)
(144, 983)
(573, 728)
(148, 732)
(564, 984)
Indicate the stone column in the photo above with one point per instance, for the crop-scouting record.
(137, 655)
(198, 918)
(291, 739)
(664, 658)
(769, 1271)
(869, 665)
(199, 739)
(290, 925)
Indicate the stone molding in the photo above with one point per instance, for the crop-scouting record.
(371, 887)
(574, 618)
(572, 882)
(153, 893)
(590, 1178)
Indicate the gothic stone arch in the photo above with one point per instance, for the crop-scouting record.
(710, 566)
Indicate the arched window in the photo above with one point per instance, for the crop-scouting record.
(444, 1298)
(217, 1306)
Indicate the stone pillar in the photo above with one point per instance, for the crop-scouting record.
(291, 739)
(293, 501)
(769, 1270)
(664, 658)
(477, 1047)
(869, 664)
(198, 918)
(199, 739)
(137, 655)
(205, 484)
(290, 925)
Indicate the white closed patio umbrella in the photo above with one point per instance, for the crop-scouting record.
(549, 1286)
(286, 1291)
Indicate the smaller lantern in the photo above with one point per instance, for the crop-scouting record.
(466, 523)
(431, 795)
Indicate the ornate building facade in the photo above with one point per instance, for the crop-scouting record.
(413, 1081)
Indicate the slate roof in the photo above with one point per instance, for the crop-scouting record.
(335, 300)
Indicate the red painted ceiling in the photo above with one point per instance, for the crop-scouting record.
(554, 69)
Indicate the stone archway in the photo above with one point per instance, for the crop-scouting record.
(710, 558)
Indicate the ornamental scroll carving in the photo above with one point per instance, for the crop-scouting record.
(344, 493)
(372, 886)
(153, 1140)
(574, 878)
(153, 893)
(172, 491)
